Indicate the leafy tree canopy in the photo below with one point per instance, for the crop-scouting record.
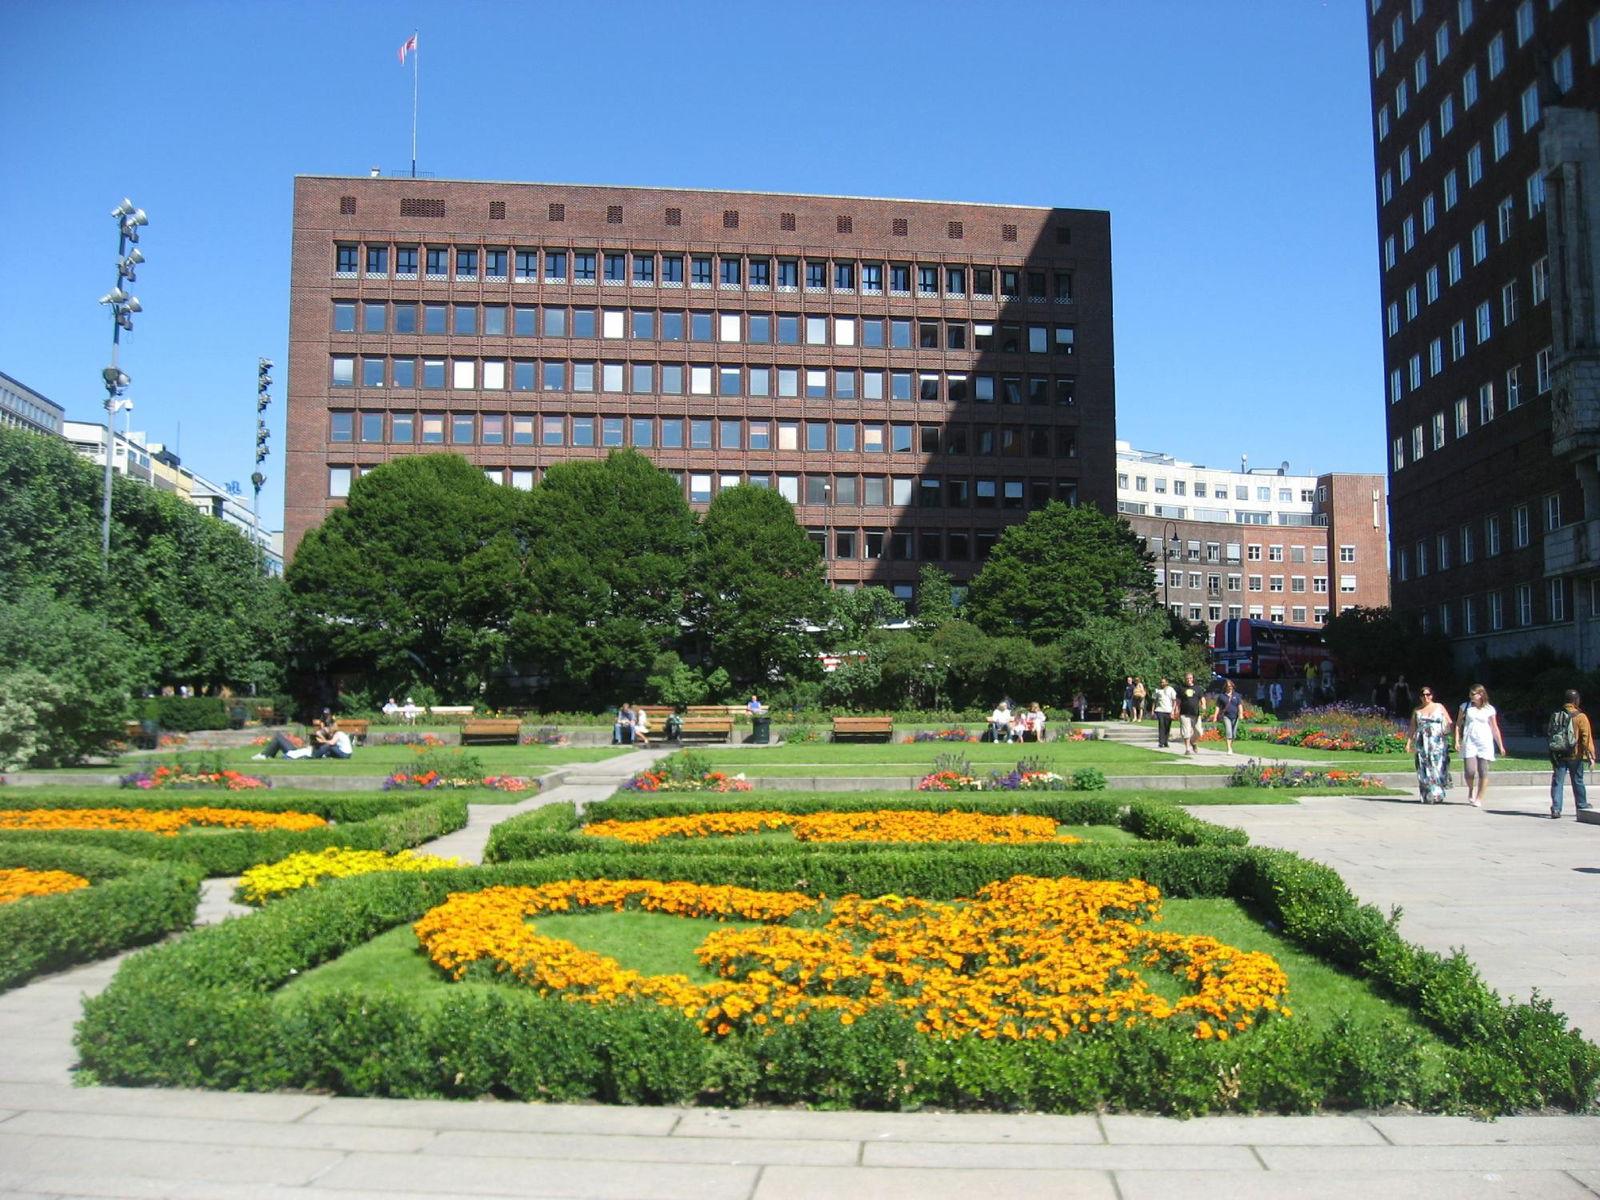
(1060, 567)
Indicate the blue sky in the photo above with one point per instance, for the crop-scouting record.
(1229, 140)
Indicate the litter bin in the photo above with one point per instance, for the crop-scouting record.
(761, 730)
(237, 716)
(149, 735)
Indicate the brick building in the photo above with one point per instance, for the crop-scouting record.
(1257, 542)
(913, 375)
(1488, 192)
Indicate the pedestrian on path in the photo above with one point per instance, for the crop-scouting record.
(1477, 736)
(1127, 699)
(1189, 697)
(1166, 700)
(1571, 747)
(1139, 695)
(1430, 736)
(1228, 707)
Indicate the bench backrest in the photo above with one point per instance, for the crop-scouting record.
(492, 725)
(863, 722)
(707, 724)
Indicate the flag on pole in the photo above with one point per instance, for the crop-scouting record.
(409, 46)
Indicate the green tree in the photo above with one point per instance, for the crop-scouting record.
(1058, 568)
(1100, 653)
(415, 577)
(610, 544)
(854, 613)
(935, 597)
(757, 585)
(1370, 643)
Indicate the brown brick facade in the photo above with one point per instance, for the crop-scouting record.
(1000, 400)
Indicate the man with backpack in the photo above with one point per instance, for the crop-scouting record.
(1571, 747)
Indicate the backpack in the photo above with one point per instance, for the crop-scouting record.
(1562, 740)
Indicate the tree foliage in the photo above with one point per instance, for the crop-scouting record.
(1060, 567)
(757, 584)
(1102, 652)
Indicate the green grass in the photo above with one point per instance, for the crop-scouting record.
(656, 944)
(372, 759)
(1371, 763)
(899, 758)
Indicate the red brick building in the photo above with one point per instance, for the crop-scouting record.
(913, 375)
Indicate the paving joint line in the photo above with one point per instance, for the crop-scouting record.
(1256, 1152)
(1378, 1129)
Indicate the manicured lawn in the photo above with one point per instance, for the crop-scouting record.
(1371, 763)
(899, 758)
(374, 760)
(654, 943)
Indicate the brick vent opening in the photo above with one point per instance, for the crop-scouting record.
(844, 224)
(497, 210)
(786, 222)
(956, 230)
(412, 206)
(730, 218)
(902, 227)
(674, 216)
(347, 206)
(1008, 233)
(614, 214)
(558, 212)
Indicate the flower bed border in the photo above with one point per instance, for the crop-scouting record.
(362, 821)
(129, 902)
(200, 1012)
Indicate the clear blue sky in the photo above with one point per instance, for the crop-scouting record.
(1228, 138)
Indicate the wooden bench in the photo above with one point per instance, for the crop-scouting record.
(731, 711)
(657, 715)
(356, 727)
(492, 729)
(132, 731)
(863, 727)
(706, 729)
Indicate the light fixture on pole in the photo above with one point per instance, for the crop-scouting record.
(1171, 548)
(122, 306)
(263, 435)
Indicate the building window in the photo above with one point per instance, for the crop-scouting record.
(1513, 388)
(1524, 604)
(1452, 191)
(1521, 526)
(1541, 280)
(1524, 22)
(1474, 164)
(1552, 511)
(1556, 599)
(1541, 370)
(1508, 303)
(339, 482)
(1501, 135)
(1480, 242)
(1461, 418)
(1458, 341)
(1497, 55)
(1491, 536)
(1484, 322)
(1497, 611)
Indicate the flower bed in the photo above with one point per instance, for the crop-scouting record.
(23, 883)
(1332, 727)
(182, 779)
(882, 825)
(427, 781)
(410, 738)
(1026, 958)
(940, 735)
(168, 822)
(546, 735)
(268, 881)
(1028, 775)
(1283, 775)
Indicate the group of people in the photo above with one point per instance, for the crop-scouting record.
(1475, 736)
(1188, 703)
(1016, 724)
(327, 741)
(632, 726)
(407, 712)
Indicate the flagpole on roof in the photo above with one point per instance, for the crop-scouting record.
(414, 73)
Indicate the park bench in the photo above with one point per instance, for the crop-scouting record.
(450, 710)
(731, 711)
(356, 727)
(705, 729)
(491, 729)
(863, 727)
(657, 714)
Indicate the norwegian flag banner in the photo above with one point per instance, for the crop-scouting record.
(409, 46)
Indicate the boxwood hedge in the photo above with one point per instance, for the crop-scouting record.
(129, 902)
(363, 820)
(202, 1012)
(557, 828)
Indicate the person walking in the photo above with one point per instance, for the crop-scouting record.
(1189, 698)
(1430, 736)
(1139, 695)
(1229, 706)
(1571, 747)
(1275, 693)
(1477, 736)
(1127, 699)
(1080, 703)
(1165, 701)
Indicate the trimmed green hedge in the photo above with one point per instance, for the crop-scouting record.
(387, 821)
(201, 1012)
(129, 902)
(556, 828)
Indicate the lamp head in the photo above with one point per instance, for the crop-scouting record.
(114, 296)
(123, 209)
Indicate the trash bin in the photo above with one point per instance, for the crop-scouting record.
(761, 730)
(149, 735)
(237, 716)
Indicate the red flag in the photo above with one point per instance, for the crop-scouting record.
(409, 46)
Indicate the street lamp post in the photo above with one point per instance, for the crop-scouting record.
(123, 306)
(263, 435)
(1167, 555)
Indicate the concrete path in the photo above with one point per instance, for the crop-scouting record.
(1508, 887)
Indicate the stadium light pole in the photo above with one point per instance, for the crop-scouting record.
(122, 306)
(263, 435)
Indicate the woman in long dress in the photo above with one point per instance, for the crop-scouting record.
(1477, 737)
(1430, 737)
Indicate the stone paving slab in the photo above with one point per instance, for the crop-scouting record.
(832, 1183)
(1337, 1183)
(29, 1155)
(215, 1132)
(491, 1116)
(1241, 1131)
(873, 1127)
(1034, 1155)
(599, 1179)
(730, 1151)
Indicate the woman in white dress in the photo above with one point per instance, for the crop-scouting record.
(1477, 737)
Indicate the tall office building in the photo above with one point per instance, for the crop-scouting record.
(1488, 188)
(23, 408)
(912, 375)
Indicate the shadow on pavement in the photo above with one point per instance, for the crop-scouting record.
(1516, 812)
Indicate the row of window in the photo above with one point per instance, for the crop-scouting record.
(1180, 487)
(824, 491)
(1483, 318)
(1505, 217)
(1296, 614)
(1460, 547)
(1431, 436)
(648, 324)
(1228, 552)
(1511, 294)
(647, 269)
(1524, 604)
(699, 379)
(698, 433)
(1235, 583)
(1219, 516)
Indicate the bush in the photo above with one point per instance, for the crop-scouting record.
(129, 902)
(29, 708)
(89, 666)
(387, 821)
(185, 714)
(1088, 779)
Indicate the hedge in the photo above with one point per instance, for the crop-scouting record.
(556, 828)
(202, 1012)
(387, 821)
(129, 902)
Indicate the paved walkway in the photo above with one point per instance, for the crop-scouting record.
(1518, 892)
